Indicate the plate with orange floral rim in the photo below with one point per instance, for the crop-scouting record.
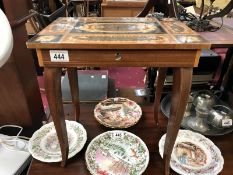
(117, 112)
(194, 154)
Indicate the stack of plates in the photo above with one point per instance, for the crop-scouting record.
(194, 154)
(117, 153)
(44, 144)
(117, 112)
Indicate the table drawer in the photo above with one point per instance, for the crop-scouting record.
(152, 58)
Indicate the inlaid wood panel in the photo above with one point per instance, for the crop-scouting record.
(117, 33)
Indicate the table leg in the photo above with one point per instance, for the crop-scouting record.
(74, 89)
(182, 81)
(159, 89)
(54, 96)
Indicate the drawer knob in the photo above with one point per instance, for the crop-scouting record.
(118, 57)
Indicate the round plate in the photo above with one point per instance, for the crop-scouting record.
(194, 154)
(117, 112)
(117, 153)
(212, 131)
(44, 144)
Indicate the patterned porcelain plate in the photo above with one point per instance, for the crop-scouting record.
(117, 153)
(194, 154)
(117, 112)
(44, 145)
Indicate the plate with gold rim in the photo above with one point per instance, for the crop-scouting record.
(117, 112)
(44, 144)
(194, 154)
(117, 153)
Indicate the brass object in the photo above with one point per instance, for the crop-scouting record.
(118, 56)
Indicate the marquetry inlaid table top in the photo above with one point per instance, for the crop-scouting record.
(117, 33)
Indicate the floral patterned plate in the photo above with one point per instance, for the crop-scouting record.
(117, 112)
(194, 154)
(117, 153)
(44, 145)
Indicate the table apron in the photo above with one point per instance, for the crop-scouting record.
(124, 58)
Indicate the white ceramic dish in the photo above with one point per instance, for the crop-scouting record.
(117, 153)
(117, 112)
(194, 154)
(44, 145)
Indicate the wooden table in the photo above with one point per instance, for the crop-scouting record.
(122, 8)
(72, 42)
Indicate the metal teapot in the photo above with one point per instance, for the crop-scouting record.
(206, 99)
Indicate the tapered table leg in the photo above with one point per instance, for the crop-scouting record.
(182, 81)
(74, 89)
(53, 92)
(159, 89)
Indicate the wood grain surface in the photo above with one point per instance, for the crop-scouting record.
(129, 58)
(124, 3)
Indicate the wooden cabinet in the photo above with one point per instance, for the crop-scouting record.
(20, 101)
(122, 8)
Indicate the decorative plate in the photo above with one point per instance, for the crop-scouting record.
(194, 154)
(117, 153)
(44, 144)
(117, 112)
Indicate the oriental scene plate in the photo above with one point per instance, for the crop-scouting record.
(117, 112)
(117, 153)
(194, 154)
(44, 144)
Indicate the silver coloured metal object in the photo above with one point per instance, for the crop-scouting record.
(198, 123)
(205, 99)
(220, 117)
(189, 106)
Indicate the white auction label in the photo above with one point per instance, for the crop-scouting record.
(227, 122)
(59, 55)
(104, 76)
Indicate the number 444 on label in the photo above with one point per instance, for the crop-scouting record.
(59, 55)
